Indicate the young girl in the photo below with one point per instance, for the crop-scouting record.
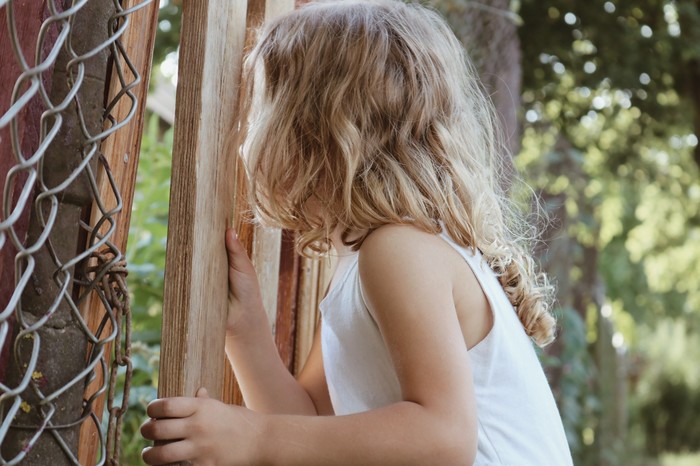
(369, 132)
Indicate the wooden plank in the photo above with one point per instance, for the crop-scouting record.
(267, 241)
(314, 278)
(274, 8)
(196, 287)
(263, 245)
(242, 221)
(266, 259)
(307, 310)
(122, 154)
(285, 328)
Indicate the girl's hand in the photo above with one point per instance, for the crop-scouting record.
(201, 430)
(244, 296)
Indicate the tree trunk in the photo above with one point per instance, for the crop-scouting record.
(27, 26)
(489, 31)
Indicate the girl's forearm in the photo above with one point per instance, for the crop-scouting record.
(265, 382)
(404, 434)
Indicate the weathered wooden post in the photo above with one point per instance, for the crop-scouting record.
(207, 194)
(202, 192)
(121, 152)
(195, 295)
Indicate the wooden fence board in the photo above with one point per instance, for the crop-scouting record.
(314, 277)
(266, 259)
(196, 287)
(263, 245)
(122, 154)
(186, 324)
(285, 328)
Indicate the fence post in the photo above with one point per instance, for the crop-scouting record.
(196, 288)
(121, 152)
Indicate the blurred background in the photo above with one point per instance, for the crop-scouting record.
(600, 104)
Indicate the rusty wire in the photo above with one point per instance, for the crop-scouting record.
(97, 268)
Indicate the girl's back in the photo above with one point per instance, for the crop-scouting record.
(518, 421)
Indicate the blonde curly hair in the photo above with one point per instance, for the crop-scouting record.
(373, 110)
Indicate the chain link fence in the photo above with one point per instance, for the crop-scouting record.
(63, 297)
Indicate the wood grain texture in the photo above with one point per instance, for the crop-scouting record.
(285, 327)
(266, 259)
(307, 310)
(121, 152)
(314, 279)
(196, 288)
(262, 244)
(274, 8)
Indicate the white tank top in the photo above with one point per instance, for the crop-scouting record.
(517, 418)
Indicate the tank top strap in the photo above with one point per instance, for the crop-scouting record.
(478, 264)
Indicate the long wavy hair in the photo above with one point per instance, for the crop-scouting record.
(366, 113)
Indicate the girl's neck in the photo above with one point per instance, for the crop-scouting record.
(341, 249)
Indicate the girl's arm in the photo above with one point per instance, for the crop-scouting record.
(265, 382)
(407, 279)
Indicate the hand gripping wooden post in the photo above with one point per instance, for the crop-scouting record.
(204, 182)
(263, 244)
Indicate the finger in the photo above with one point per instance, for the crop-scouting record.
(172, 407)
(233, 244)
(202, 393)
(164, 429)
(237, 254)
(170, 453)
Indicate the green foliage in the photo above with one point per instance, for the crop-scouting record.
(613, 44)
(144, 383)
(168, 36)
(148, 233)
(146, 258)
(609, 135)
(680, 460)
(672, 352)
(670, 419)
(577, 402)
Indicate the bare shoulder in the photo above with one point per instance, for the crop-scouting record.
(402, 267)
(392, 246)
(404, 254)
(397, 240)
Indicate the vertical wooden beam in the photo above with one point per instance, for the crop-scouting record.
(265, 251)
(202, 187)
(121, 152)
(266, 259)
(263, 244)
(285, 328)
(314, 278)
(274, 8)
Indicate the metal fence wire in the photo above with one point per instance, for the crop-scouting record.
(56, 230)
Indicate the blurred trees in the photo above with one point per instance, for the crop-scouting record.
(610, 115)
(610, 122)
(145, 257)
